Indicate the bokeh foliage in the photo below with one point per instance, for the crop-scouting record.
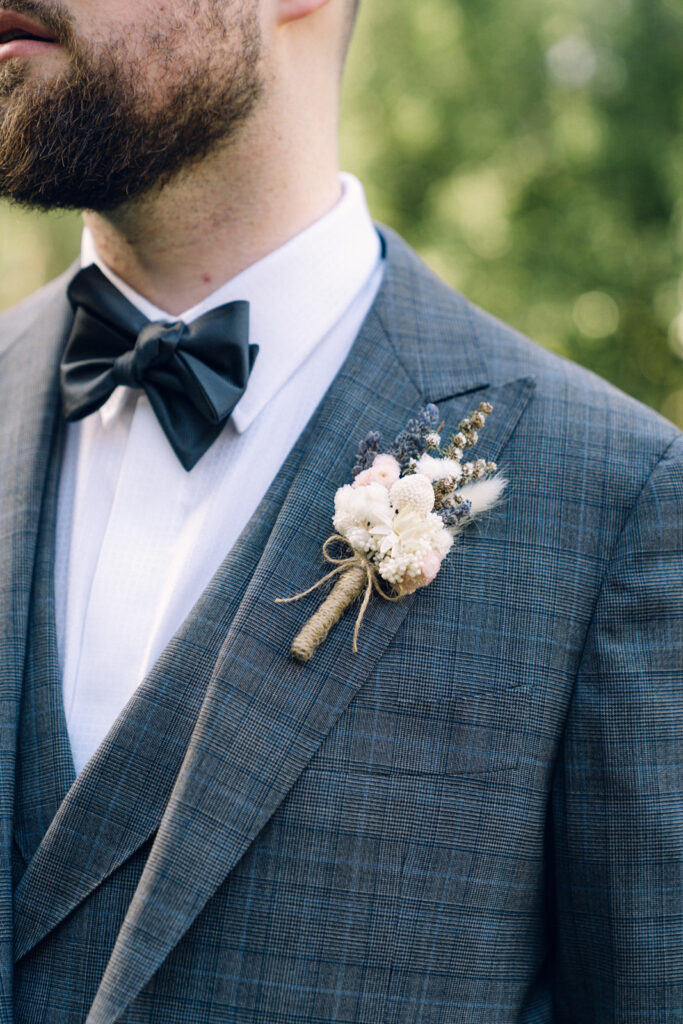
(530, 151)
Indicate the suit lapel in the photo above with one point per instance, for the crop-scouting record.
(263, 715)
(29, 403)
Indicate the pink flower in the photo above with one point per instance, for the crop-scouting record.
(364, 478)
(431, 564)
(384, 470)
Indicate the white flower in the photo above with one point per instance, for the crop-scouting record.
(360, 539)
(406, 544)
(414, 491)
(358, 510)
(438, 469)
(433, 439)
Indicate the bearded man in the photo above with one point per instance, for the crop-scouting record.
(474, 816)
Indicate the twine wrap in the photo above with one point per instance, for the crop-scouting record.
(356, 576)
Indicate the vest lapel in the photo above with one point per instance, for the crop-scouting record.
(44, 767)
(29, 403)
(263, 715)
(119, 798)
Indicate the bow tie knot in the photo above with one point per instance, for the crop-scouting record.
(155, 346)
(193, 374)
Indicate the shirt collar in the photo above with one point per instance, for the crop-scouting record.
(296, 294)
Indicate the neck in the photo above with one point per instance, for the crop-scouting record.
(177, 246)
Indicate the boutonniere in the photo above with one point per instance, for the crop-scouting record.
(399, 518)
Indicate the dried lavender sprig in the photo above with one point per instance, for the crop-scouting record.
(452, 514)
(367, 450)
(428, 418)
(412, 441)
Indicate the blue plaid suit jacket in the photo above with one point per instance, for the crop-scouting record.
(477, 818)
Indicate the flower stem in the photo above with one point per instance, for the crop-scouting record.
(346, 590)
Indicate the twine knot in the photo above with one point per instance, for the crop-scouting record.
(357, 575)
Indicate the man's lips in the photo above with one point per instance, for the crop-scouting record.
(22, 36)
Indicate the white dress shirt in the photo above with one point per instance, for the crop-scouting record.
(139, 537)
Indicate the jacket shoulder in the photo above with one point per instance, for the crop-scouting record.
(582, 438)
(15, 321)
(581, 442)
(571, 402)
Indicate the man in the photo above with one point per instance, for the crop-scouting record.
(477, 816)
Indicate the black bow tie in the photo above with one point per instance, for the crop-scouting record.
(193, 374)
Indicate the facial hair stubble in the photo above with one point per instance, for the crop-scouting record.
(90, 138)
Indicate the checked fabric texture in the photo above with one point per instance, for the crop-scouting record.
(477, 819)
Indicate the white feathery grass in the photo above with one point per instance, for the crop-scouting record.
(483, 494)
(438, 469)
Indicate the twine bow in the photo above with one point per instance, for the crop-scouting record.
(356, 576)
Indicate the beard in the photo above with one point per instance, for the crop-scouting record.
(94, 138)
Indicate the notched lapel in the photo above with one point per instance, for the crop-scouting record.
(264, 715)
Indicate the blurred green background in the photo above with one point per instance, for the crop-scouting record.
(531, 152)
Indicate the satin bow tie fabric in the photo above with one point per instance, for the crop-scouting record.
(193, 374)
